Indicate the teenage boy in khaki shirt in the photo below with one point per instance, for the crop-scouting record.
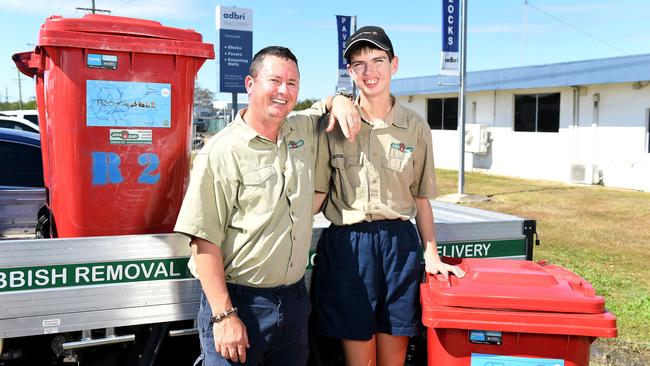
(368, 263)
(248, 210)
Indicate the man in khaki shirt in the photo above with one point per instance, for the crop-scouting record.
(248, 210)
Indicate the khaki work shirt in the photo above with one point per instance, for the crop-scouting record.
(377, 176)
(253, 198)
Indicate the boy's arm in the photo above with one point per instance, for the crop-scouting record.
(427, 231)
(319, 198)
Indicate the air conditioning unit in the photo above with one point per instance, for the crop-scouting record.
(476, 138)
(584, 174)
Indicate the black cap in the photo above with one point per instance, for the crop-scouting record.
(371, 34)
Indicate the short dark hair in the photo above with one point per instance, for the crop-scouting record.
(361, 46)
(277, 51)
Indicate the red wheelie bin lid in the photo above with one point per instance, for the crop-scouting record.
(516, 296)
(107, 32)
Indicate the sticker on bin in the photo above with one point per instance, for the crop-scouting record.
(485, 337)
(479, 359)
(120, 136)
(128, 104)
(97, 61)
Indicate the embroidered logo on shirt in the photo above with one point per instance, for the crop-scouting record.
(295, 144)
(401, 147)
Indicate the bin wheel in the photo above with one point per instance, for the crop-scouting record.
(45, 227)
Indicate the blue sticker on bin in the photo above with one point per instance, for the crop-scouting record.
(99, 61)
(479, 359)
(128, 104)
(485, 337)
(94, 60)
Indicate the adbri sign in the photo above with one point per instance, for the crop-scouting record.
(450, 55)
(235, 28)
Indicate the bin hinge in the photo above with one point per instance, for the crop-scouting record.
(530, 230)
(532, 238)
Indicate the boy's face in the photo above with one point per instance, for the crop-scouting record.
(371, 71)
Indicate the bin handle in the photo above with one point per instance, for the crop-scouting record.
(27, 62)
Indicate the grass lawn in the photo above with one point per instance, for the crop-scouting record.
(602, 234)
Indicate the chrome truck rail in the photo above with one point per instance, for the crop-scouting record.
(87, 340)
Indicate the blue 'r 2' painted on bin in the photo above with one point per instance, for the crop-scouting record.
(150, 162)
(106, 168)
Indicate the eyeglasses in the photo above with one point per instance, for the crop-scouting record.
(374, 64)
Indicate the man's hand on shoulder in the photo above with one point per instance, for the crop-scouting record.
(347, 115)
(231, 339)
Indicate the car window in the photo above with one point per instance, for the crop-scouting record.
(31, 118)
(15, 125)
(9, 124)
(21, 165)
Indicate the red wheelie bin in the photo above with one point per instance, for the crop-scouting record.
(512, 313)
(115, 99)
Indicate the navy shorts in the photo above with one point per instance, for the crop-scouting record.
(276, 323)
(367, 280)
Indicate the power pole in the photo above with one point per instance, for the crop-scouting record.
(20, 91)
(94, 10)
(461, 97)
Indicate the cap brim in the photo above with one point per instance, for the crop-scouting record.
(347, 48)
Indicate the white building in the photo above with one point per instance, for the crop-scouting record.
(584, 121)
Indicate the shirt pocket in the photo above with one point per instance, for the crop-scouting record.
(398, 161)
(257, 189)
(301, 163)
(397, 176)
(347, 175)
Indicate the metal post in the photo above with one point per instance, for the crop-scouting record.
(20, 91)
(354, 29)
(461, 99)
(234, 107)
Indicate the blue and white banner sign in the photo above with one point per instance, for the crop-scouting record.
(450, 40)
(235, 28)
(344, 29)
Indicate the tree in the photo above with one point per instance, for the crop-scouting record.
(4, 106)
(203, 96)
(304, 104)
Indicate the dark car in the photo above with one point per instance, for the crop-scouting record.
(20, 159)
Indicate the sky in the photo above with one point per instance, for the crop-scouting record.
(501, 33)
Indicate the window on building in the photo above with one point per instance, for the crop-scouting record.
(537, 112)
(442, 113)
